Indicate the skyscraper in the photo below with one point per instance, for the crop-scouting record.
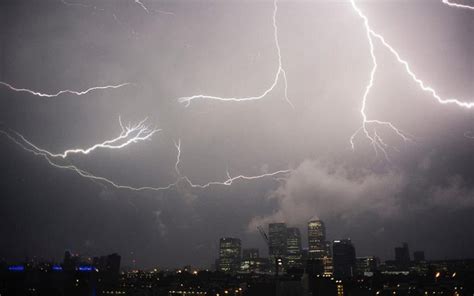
(229, 254)
(113, 263)
(317, 246)
(402, 255)
(344, 258)
(293, 248)
(277, 234)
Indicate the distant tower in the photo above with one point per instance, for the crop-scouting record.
(344, 259)
(317, 245)
(229, 254)
(402, 255)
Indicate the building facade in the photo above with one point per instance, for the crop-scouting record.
(293, 248)
(229, 255)
(317, 245)
(402, 255)
(344, 259)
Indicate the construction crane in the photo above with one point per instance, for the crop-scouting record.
(264, 235)
(278, 260)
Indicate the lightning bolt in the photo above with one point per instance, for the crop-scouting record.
(371, 134)
(449, 3)
(148, 10)
(26, 145)
(129, 135)
(79, 171)
(226, 182)
(142, 5)
(66, 91)
(80, 4)
(280, 74)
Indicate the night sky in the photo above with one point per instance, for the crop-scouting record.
(423, 194)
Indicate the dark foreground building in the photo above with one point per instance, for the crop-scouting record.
(344, 259)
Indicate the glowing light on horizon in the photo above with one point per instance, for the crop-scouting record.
(280, 74)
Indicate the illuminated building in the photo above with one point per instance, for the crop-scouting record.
(366, 265)
(340, 289)
(328, 266)
(293, 248)
(344, 259)
(317, 245)
(229, 254)
(250, 261)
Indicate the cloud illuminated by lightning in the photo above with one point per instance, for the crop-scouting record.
(66, 91)
(371, 134)
(280, 74)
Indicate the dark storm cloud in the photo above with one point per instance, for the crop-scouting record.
(423, 195)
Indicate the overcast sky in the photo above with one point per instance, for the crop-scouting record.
(423, 195)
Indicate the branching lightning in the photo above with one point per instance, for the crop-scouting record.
(66, 91)
(280, 74)
(139, 132)
(130, 134)
(26, 145)
(371, 135)
(226, 182)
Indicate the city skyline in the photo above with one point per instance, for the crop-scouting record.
(151, 128)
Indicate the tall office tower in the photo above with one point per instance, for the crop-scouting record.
(402, 255)
(277, 234)
(229, 254)
(113, 263)
(293, 248)
(317, 245)
(344, 259)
